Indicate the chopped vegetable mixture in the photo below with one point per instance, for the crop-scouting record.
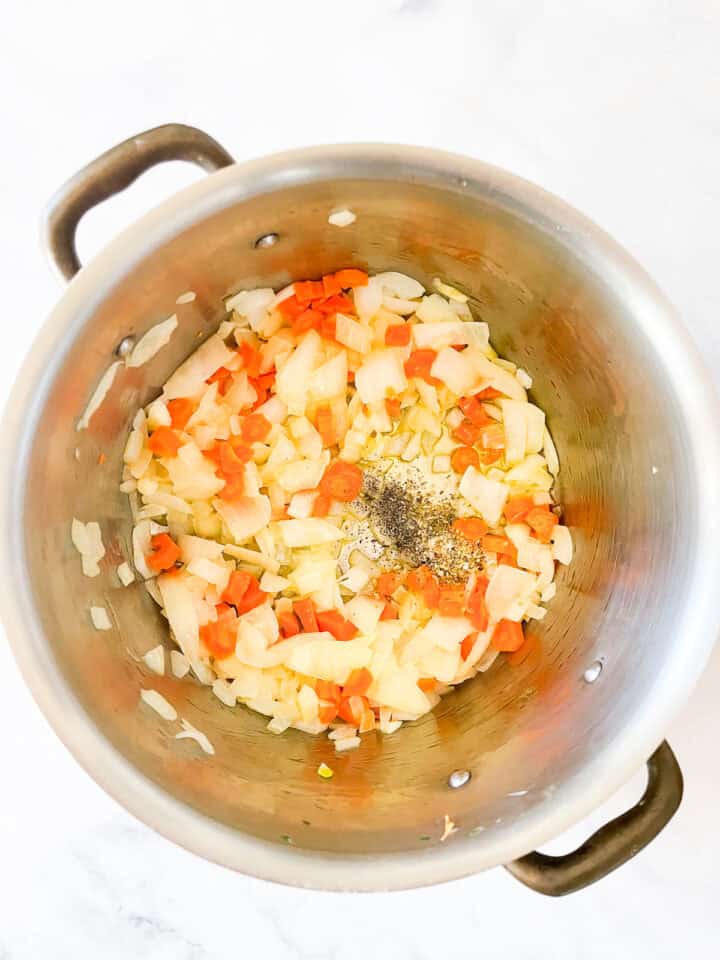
(343, 504)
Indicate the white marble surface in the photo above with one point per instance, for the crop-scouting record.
(611, 106)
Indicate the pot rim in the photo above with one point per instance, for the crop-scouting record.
(573, 798)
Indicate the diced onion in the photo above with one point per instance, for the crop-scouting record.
(152, 342)
(342, 218)
(100, 618)
(98, 395)
(189, 732)
(157, 702)
(155, 659)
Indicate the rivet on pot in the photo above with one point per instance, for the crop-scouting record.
(266, 240)
(458, 778)
(593, 671)
(124, 347)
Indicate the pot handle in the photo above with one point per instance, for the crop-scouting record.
(613, 844)
(115, 170)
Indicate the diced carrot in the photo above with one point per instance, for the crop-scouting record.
(345, 712)
(471, 528)
(489, 393)
(492, 543)
(219, 636)
(467, 433)
(417, 579)
(492, 437)
(388, 582)
(490, 456)
(507, 636)
(419, 363)
(542, 521)
(328, 326)
(253, 597)
(326, 714)
(101, 459)
(389, 611)
(451, 600)
(335, 304)
(325, 423)
(165, 552)
(393, 406)
(321, 506)
(164, 442)
(357, 683)
(335, 623)
(398, 334)
(327, 690)
(517, 507)
(290, 307)
(289, 625)
(307, 320)
(463, 457)
(351, 278)
(234, 487)
(231, 461)
(351, 376)
(341, 481)
(431, 594)
(180, 410)
(477, 610)
(237, 587)
(427, 684)
(467, 645)
(251, 358)
(305, 611)
(255, 428)
(474, 411)
(222, 373)
(507, 559)
(307, 290)
(331, 285)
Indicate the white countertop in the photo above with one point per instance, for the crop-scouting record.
(616, 113)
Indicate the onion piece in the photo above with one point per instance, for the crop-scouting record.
(157, 702)
(189, 378)
(100, 618)
(125, 574)
(155, 659)
(99, 394)
(342, 218)
(152, 342)
(179, 664)
(189, 732)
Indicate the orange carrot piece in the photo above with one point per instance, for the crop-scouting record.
(305, 611)
(393, 407)
(338, 303)
(451, 600)
(474, 411)
(325, 423)
(290, 307)
(467, 645)
(419, 363)
(467, 433)
(180, 410)
(492, 437)
(164, 442)
(237, 587)
(231, 461)
(471, 528)
(335, 623)
(222, 373)
(351, 278)
(489, 393)
(507, 636)
(219, 636)
(517, 507)
(253, 597)
(427, 684)
(165, 552)
(388, 582)
(389, 611)
(321, 506)
(331, 285)
(289, 625)
(255, 428)
(327, 690)
(464, 457)
(251, 358)
(326, 714)
(398, 335)
(307, 290)
(234, 487)
(492, 543)
(490, 456)
(477, 610)
(357, 683)
(341, 481)
(542, 521)
(307, 320)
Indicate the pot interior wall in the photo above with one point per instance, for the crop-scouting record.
(523, 726)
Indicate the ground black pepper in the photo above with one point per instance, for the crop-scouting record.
(414, 524)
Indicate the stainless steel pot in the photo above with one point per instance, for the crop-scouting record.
(546, 738)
